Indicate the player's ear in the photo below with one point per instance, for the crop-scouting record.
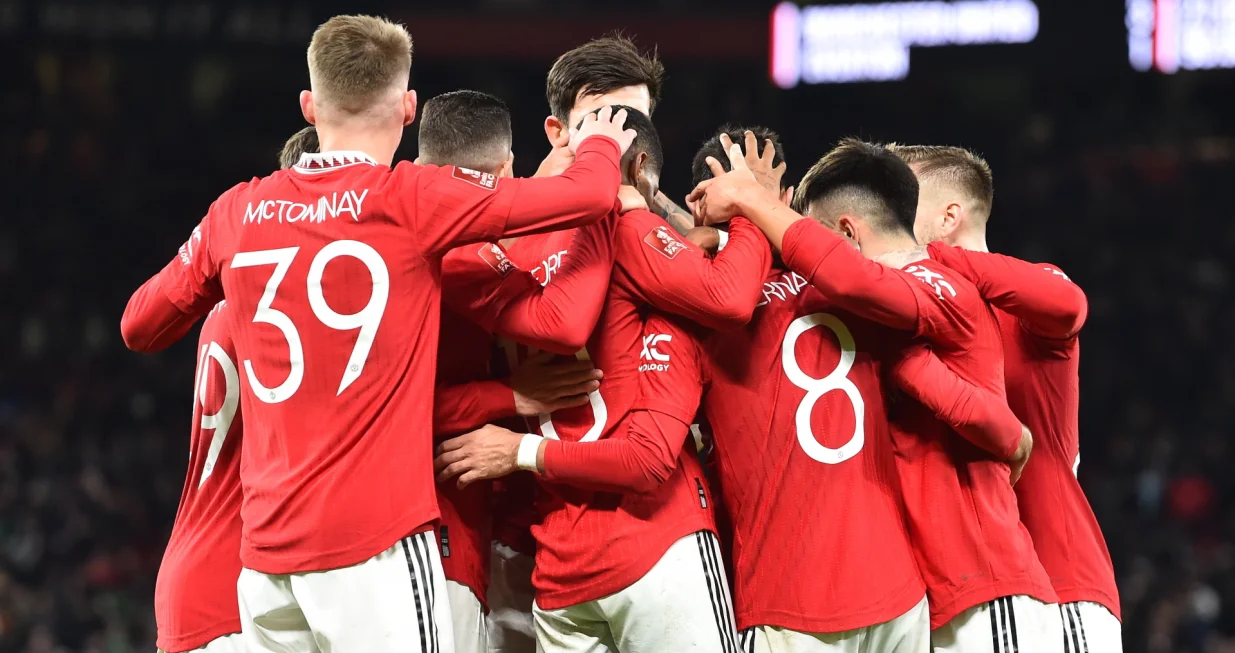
(634, 172)
(554, 129)
(416, 161)
(952, 219)
(409, 107)
(786, 196)
(306, 107)
(507, 169)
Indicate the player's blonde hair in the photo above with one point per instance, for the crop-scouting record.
(353, 60)
(956, 165)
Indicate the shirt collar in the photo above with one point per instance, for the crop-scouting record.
(316, 162)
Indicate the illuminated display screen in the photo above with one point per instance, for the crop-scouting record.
(1173, 35)
(871, 42)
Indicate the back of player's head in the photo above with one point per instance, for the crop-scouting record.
(356, 60)
(864, 180)
(302, 142)
(959, 168)
(647, 141)
(468, 129)
(601, 66)
(712, 148)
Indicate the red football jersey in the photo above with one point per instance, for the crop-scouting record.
(799, 422)
(195, 594)
(332, 270)
(592, 544)
(1040, 312)
(962, 510)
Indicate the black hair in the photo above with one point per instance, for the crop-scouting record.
(699, 169)
(864, 175)
(646, 138)
(601, 66)
(465, 128)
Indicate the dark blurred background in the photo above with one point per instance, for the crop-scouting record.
(121, 121)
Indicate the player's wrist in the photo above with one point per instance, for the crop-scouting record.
(529, 456)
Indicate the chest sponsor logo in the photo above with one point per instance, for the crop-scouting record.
(664, 242)
(495, 256)
(485, 180)
(657, 361)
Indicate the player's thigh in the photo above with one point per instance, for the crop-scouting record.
(1090, 628)
(773, 639)
(270, 618)
(468, 619)
(1006, 625)
(573, 629)
(681, 604)
(394, 601)
(510, 623)
(908, 633)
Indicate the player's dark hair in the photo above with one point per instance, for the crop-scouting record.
(601, 66)
(646, 138)
(465, 128)
(956, 165)
(699, 169)
(865, 178)
(302, 142)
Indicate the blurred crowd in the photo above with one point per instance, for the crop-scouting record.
(111, 157)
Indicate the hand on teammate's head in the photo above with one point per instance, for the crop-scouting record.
(762, 165)
(603, 123)
(720, 198)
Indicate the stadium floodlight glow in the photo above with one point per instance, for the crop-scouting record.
(1174, 35)
(870, 42)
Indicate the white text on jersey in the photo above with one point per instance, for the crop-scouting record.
(659, 362)
(791, 283)
(348, 203)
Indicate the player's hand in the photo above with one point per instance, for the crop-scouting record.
(488, 452)
(631, 198)
(559, 159)
(720, 198)
(603, 123)
(760, 165)
(542, 386)
(1022, 454)
(706, 238)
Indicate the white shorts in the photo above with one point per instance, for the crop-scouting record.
(1009, 624)
(233, 643)
(394, 601)
(511, 628)
(1090, 628)
(908, 633)
(682, 605)
(468, 617)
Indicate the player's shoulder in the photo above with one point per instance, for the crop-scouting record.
(947, 284)
(654, 234)
(449, 175)
(1054, 269)
(215, 326)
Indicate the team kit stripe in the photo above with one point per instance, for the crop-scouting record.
(1004, 638)
(412, 573)
(420, 545)
(1073, 629)
(728, 637)
(718, 572)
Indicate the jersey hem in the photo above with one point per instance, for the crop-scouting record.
(199, 639)
(611, 582)
(277, 565)
(1090, 595)
(904, 600)
(960, 602)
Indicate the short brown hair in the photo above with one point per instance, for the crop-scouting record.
(957, 165)
(353, 59)
(465, 128)
(302, 142)
(601, 66)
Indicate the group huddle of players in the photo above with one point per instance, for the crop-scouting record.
(563, 414)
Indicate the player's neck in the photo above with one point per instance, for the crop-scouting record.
(376, 143)
(971, 240)
(894, 251)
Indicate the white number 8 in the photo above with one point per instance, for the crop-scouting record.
(367, 320)
(600, 412)
(838, 379)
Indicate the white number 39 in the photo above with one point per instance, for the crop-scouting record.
(367, 320)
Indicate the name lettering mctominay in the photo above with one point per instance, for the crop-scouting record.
(348, 203)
